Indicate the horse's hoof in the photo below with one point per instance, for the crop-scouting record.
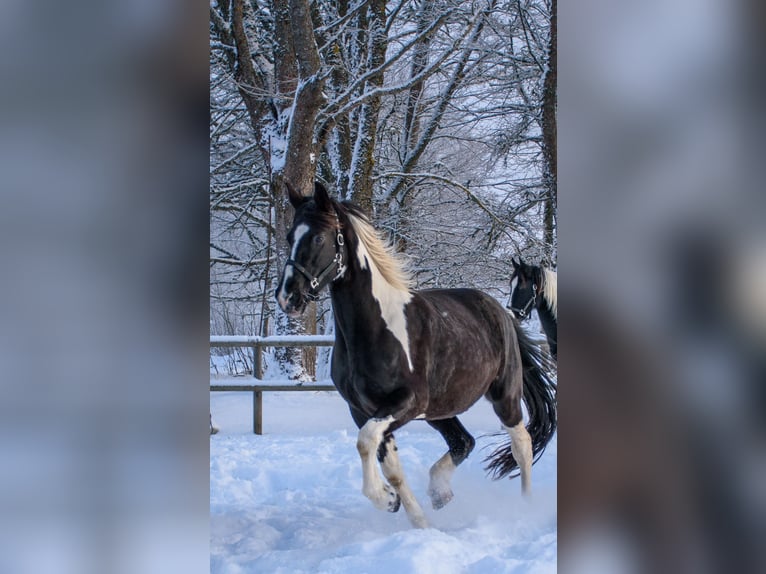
(393, 505)
(440, 499)
(419, 521)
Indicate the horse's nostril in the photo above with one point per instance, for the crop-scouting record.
(284, 301)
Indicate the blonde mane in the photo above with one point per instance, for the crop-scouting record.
(390, 265)
(550, 291)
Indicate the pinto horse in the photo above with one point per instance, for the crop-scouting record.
(402, 354)
(534, 287)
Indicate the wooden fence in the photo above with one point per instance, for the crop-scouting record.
(257, 344)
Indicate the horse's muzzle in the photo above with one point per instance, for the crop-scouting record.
(290, 307)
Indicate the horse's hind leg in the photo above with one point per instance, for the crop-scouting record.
(507, 406)
(460, 444)
(392, 470)
(521, 447)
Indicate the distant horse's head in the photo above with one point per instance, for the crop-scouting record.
(526, 286)
(317, 251)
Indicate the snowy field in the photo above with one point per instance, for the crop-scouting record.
(290, 501)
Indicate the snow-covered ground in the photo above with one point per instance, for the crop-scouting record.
(290, 501)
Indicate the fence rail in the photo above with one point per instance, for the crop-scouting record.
(257, 344)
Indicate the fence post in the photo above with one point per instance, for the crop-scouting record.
(257, 361)
(258, 412)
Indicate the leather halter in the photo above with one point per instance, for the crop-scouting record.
(522, 313)
(317, 282)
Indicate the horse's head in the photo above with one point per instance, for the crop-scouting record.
(526, 284)
(317, 252)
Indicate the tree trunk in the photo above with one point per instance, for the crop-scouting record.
(299, 167)
(363, 159)
(550, 175)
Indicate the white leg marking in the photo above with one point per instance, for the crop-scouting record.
(439, 488)
(521, 447)
(382, 495)
(392, 470)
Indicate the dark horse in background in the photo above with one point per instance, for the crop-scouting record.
(402, 354)
(534, 287)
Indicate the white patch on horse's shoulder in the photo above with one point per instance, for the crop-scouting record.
(392, 301)
(421, 417)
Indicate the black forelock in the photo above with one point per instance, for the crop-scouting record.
(310, 213)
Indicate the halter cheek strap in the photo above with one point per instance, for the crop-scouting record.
(523, 312)
(317, 282)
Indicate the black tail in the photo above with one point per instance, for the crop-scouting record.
(540, 399)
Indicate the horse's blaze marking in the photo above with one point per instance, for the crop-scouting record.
(300, 231)
(392, 302)
(283, 295)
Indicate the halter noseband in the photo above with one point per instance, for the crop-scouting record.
(522, 313)
(316, 282)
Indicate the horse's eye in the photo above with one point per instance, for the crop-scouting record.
(318, 239)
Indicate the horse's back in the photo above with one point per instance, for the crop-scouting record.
(468, 337)
(469, 306)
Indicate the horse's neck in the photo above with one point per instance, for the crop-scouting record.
(547, 319)
(354, 303)
(361, 307)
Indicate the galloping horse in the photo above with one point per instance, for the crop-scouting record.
(402, 354)
(534, 287)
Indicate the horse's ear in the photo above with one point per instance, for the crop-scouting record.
(321, 197)
(296, 199)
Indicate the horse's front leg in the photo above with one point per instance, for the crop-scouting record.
(374, 448)
(392, 470)
(382, 495)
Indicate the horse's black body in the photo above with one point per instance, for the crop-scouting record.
(530, 293)
(371, 371)
(401, 354)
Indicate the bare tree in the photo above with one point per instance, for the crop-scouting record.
(428, 113)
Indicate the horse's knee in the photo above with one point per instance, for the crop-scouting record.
(371, 434)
